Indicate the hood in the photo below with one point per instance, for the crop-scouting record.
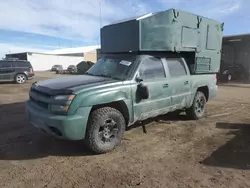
(57, 85)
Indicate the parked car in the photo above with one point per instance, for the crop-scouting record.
(18, 71)
(72, 69)
(231, 73)
(56, 67)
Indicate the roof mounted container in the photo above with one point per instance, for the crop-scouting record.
(171, 30)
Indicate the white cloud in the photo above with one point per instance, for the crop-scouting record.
(223, 8)
(81, 19)
(12, 48)
(67, 19)
(217, 9)
(232, 8)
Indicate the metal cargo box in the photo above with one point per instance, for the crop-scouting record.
(171, 30)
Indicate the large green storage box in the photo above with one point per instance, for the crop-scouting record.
(171, 30)
(83, 66)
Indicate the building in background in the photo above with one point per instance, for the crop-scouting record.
(65, 57)
(44, 62)
(90, 53)
(236, 56)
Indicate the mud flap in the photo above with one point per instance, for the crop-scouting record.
(143, 127)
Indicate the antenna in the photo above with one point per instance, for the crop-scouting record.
(100, 19)
(100, 12)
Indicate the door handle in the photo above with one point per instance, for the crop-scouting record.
(186, 82)
(165, 85)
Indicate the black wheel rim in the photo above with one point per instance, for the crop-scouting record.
(200, 105)
(108, 131)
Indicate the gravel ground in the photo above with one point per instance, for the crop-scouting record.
(175, 152)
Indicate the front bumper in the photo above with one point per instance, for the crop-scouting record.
(70, 127)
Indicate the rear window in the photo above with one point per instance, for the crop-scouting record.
(176, 67)
(5, 64)
(152, 68)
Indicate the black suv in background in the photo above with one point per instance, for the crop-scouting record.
(18, 71)
(56, 67)
(72, 69)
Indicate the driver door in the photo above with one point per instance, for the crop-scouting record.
(152, 71)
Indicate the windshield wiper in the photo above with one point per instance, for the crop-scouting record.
(89, 74)
(108, 76)
(116, 78)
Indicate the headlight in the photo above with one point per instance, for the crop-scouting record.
(64, 97)
(59, 109)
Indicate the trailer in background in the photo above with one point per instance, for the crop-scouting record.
(235, 60)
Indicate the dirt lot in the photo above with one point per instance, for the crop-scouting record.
(212, 152)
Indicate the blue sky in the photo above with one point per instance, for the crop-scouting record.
(32, 25)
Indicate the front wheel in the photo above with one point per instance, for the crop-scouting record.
(105, 130)
(197, 110)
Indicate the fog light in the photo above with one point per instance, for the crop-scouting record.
(59, 109)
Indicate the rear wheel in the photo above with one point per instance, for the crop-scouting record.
(20, 78)
(197, 110)
(105, 130)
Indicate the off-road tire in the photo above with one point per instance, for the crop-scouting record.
(192, 111)
(20, 78)
(97, 118)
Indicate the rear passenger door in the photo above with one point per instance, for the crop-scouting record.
(6, 70)
(179, 82)
(153, 73)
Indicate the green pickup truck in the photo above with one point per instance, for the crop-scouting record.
(115, 93)
(135, 82)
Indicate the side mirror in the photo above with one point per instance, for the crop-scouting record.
(138, 79)
(143, 91)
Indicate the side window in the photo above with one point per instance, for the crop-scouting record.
(21, 64)
(5, 64)
(152, 68)
(176, 67)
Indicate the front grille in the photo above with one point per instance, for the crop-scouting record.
(39, 98)
(39, 103)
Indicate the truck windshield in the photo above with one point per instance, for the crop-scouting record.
(116, 68)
